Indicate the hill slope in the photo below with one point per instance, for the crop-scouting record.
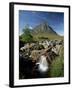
(43, 30)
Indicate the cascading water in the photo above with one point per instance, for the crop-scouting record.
(42, 64)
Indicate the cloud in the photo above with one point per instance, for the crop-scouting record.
(30, 27)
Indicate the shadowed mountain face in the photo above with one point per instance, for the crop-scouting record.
(43, 28)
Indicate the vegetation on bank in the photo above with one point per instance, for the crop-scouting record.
(57, 66)
(26, 36)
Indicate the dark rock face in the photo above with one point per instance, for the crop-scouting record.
(21, 44)
(25, 67)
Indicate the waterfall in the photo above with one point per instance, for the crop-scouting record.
(43, 64)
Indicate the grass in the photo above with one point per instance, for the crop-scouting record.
(49, 36)
(57, 66)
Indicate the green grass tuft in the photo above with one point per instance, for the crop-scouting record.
(57, 66)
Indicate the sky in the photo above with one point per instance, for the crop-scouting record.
(34, 18)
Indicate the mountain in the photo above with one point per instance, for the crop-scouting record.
(43, 32)
(44, 28)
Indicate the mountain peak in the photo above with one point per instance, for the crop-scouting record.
(44, 28)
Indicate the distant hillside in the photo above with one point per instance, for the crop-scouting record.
(42, 32)
(44, 28)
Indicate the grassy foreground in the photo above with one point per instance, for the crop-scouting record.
(57, 66)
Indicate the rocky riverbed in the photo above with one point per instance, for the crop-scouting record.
(35, 58)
